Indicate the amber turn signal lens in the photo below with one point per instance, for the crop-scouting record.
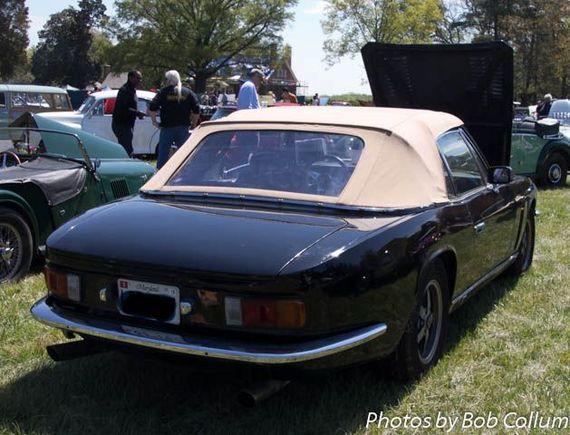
(64, 285)
(273, 314)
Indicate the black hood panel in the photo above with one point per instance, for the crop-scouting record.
(471, 81)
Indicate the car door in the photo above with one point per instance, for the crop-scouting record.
(144, 131)
(98, 120)
(525, 151)
(492, 207)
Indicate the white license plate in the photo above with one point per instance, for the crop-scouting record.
(129, 285)
(153, 335)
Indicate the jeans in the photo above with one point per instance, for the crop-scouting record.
(170, 136)
(124, 135)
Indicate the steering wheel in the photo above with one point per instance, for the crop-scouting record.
(331, 157)
(8, 159)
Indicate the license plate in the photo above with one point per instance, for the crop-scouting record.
(149, 288)
(154, 335)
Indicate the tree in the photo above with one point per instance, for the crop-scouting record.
(349, 24)
(14, 36)
(196, 37)
(453, 27)
(64, 55)
(490, 17)
(539, 32)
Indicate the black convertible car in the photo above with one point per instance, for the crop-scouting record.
(306, 237)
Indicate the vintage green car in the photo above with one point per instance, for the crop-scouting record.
(54, 173)
(540, 151)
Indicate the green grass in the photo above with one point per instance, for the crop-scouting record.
(508, 351)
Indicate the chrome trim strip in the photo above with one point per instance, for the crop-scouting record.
(461, 298)
(226, 349)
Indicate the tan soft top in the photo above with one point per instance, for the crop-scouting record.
(400, 165)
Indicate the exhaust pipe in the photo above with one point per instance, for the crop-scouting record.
(73, 350)
(260, 391)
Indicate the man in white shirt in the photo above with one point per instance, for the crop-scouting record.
(247, 97)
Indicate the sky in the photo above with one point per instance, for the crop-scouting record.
(304, 34)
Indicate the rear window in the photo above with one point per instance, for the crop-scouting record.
(288, 161)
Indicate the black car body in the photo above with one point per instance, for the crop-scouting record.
(343, 235)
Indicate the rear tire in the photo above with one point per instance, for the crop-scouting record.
(555, 171)
(526, 249)
(16, 246)
(421, 345)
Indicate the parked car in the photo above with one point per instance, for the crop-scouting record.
(96, 115)
(540, 151)
(301, 237)
(53, 174)
(18, 99)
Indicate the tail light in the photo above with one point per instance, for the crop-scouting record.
(257, 313)
(63, 284)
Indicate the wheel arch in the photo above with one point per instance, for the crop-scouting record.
(448, 257)
(19, 205)
(549, 149)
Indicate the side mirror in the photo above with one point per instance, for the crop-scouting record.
(500, 175)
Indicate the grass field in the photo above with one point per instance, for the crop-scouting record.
(508, 351)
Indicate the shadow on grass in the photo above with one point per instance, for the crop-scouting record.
(115, 393)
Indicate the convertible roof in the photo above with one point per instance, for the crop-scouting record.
(377, 118)
(400, 166)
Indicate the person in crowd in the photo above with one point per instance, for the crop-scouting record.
(543, 108)
(224, 98)
(316, 100)
(214, 98)
(248, 97)
(179, 111)
(288, 97)
(126, 111)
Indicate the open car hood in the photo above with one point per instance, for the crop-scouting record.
(471, 81)
(95, 146)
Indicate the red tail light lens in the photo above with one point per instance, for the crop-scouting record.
(62, 284)
(255, 313)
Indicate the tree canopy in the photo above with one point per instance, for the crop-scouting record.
(14, 36)
(539, 31)
(195, 37)
(64, 55)
(349, 24)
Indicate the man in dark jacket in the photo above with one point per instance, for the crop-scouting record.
(179, 110)
(543, 108)
(126, 111)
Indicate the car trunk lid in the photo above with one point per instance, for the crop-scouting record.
(471, 81)
(193, 238)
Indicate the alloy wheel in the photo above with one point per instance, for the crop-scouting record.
(429, 323)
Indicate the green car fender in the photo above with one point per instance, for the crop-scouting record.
(554, 146)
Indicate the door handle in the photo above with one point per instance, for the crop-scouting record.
(479, 228)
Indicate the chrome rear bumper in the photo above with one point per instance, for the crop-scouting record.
(211, 347)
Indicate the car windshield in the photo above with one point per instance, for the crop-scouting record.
(30, 142)
(87, 104)
(278, 160)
